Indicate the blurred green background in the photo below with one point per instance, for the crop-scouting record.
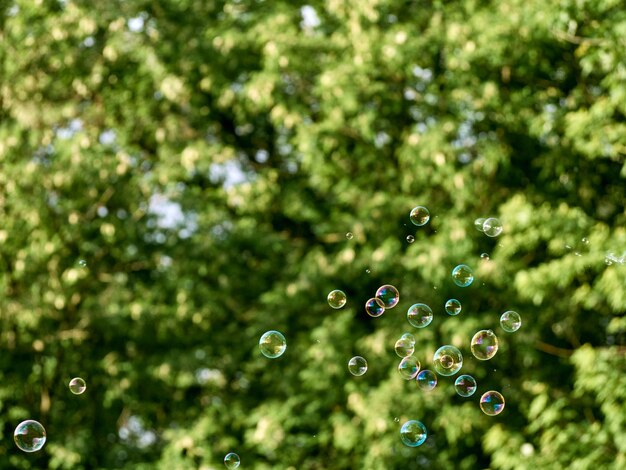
(206, 160)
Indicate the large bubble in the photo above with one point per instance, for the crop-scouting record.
(374, 307)
(357, 366)
(419, 315)
(510, 321)
(447, 360)
(492, 227)
(413, 433)
(337, 298)
(272, 344)
(426, 380)
(462, 275)
(29, 436)
(409, 367)
(465, 385)
(388, 295)
(484, 345)
(419, 216)
(492, 403)
(231, 460)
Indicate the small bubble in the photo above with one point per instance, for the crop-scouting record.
(29, 436)
(410, 238)
(447, 360)
(419, 216)
(492, 403)
(409, 367)
(388, 295)
(349, 236)
(453, 307)
(585, 241)
(367, 271)
(396, 419)
(231, 460)
(404, 347)
(82, 263)
(419, 315)
(374, 307)
(426, 380)
(336, 298)
(510, 321)
(272, 344)
(492, 227)
(478, 223)
(357, 366)
(462, 275)
(484, 256)
(77, 386)
(465, 385)
(484, 345)
(413, 433)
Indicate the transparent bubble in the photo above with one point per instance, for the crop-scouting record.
(388, 295)
(484, 256)
(357, 366)
(367, 271)
(462, 275)
(77, 386)
(349, 236)
(410, 238)
(585, 241)
(272, 344)
(374, 307)
(419, 216)
(231, 460)
(413, 433)
(510, 321)
(82, 263)
(29, 436)
(409, 367)
(478, 223)
(404, 347)
(453, 307)
(492, 227)
(419, 315)
(484, 345)
(447, 360)
(426, 380)
(465, 385)
(492, 403)
(396, 419)
(337, 298)
(409, 337)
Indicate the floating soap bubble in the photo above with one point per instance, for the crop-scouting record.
(404, 347)
(419, 216)
(419, 315)
(77, 386)
(465, 385)
(337, 298)
(492, 403)
(447, 360)
(388, 295)
(29, 436)
(272, 344)
(349, 236)
(82, 263)
(484, 256)
(426, 380)
(585, 241)
(453, 307)
(413, 433)
(484, 345)
(410, 238)
(374, 307)
(492, 227)
(409, 367)
(409, 337)
(462, 275)
(357, 366)
(478, 223)
(510, 321)
(231, 460)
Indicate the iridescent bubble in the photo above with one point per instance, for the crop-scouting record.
(453, 307)
(478, 223)
(388, 295)
(349, 236)
(465, 385)
(419, 315)
(374, 307)
(492, 227)
(484, 345)
(413, 433)
(357, 366)
(410, 238)
(492, 403)
(404, 347)
(510, 321)
(409, 337)
(447, 360)
(29, 436)
(272, 344)
(231, 460)
(77, 386)
(426, 380)
(337, 298)
(484, 256)
(462, 275)
(409, 367)
(419, 216)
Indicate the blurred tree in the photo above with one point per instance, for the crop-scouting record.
(177, 177)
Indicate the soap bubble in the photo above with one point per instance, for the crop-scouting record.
(409, 367)
(374, 307)
(349, 236)
(413, 433)
(404, 347)
(419, 315)
(357, 366)
(77, 385)
(492, 227)
(484, 345)
(453, 307)
(465, 385)
(419, 216)
(585, 241)
(409, 337)
(272, 344)
(426, 380)
(82, 263)
(410, 238)
(492, 403)
(447, 360)
(231, 460)
(510, 321)
(484, 256)
(478, 223)
(29, 436)
(336, 298)
(388, 295)
(462, 275)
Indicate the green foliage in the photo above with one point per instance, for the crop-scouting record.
(265, 138)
